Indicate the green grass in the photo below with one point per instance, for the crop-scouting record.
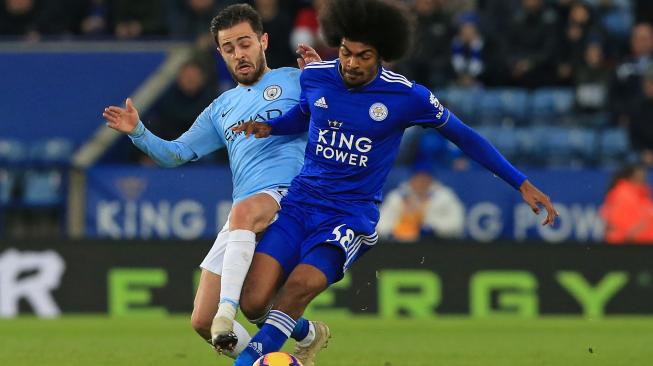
(96, 340)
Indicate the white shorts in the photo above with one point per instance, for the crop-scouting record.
(213, 261)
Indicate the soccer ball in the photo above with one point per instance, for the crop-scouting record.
(277, 359)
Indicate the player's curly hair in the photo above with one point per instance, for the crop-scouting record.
(236, 14)
(386, 25)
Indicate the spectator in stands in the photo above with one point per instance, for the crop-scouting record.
(31, 18)
(134, 19)
(187, 21)
(468, 52)
(306, 30)
(420, 208)
(530, 46)
(278, 24)
(189, 18)
(640, 121)
(429, 63)
(580, 27)
(628, 208)
(494, 14)
(95, 18)
(627, 86)
(18, 18)
(592, 80)
(176, 110)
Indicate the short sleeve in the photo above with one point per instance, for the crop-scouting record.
(427, 110)
(202, 137)
(303, 102)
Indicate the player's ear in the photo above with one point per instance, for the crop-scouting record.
(264, 41)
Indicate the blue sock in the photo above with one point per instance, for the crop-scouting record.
(301, 329)
(299, 332)
(270, 338)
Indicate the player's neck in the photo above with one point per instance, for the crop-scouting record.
(265, 71)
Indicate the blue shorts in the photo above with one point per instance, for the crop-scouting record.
(307, 234)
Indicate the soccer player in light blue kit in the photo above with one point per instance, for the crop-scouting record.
(262, 170)
(355, 112)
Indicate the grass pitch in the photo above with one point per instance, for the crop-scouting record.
(360, 341)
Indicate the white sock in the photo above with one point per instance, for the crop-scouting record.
(309, 337)
(243, 340)
(237, 258)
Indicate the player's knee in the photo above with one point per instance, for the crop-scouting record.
(252, 305)
(200, 323)
(304, 288)
(242, 216)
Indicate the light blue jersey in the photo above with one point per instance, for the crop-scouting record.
(256, 164)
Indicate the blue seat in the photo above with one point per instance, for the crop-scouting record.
(43, 188)
(528, 145)
(570, 147)
(7, 181)
(585, 142)
(12, 152)
(461, 101)
(618, 22)
(615, 145)
(503, 106)
(55, 151)
(503, 138)
(551, 105)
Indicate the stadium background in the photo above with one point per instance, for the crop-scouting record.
(88, 225)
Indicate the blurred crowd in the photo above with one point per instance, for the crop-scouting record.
(549, 82)
(597, 53)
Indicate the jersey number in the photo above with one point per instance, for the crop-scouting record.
(345, 240)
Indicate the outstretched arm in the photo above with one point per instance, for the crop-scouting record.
(480, 149)
(429, 112)
(290, 123)
(165, 153)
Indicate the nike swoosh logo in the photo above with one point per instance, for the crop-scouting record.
(227, 112)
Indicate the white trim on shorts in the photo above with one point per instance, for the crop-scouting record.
(215, 257)
(353, 249)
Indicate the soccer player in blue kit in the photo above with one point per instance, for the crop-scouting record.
(355, 112)
(261, 169)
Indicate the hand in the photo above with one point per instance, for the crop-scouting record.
(258, 129)
(534, 197)
(307, 55)
(122, 120)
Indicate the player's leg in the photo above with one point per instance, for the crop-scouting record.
(263, 280)
(205, 307)
(208, 293)
(248, 217)
(275, 255)
(205, 304)
(260, 289)
(322, 266)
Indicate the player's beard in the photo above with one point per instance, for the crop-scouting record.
(352, 78)
(254, 76)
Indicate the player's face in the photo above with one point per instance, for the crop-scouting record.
(359, 62)
(244, 52)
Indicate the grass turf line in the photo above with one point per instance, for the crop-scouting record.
(359, 341)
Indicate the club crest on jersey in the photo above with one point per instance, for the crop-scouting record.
(335, 125)
(272, 92)
(378, 112)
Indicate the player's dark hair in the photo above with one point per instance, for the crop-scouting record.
(236, 14)
(386, 25)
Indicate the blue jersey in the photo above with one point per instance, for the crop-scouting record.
(353, 139)
(256, 164)
(354, 133)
